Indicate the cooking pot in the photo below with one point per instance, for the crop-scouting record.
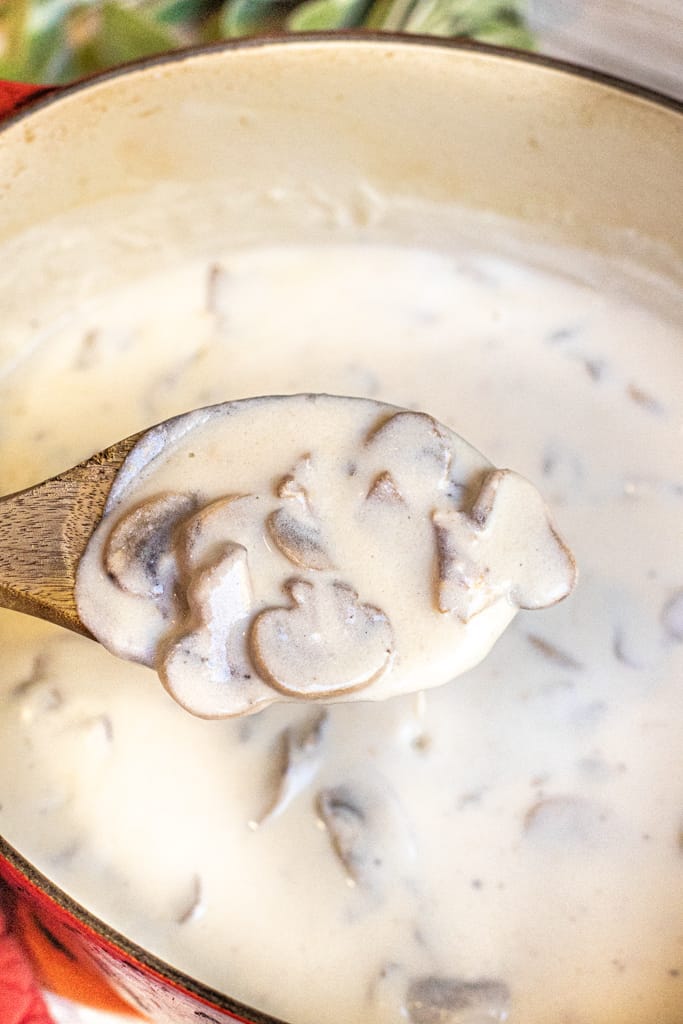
(587, 160)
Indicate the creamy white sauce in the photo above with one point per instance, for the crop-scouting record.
(312, 547)
(521, 825)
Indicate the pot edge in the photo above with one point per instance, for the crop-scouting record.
(576, 70)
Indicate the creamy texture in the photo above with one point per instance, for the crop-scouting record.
(511, 840)
(312, 547)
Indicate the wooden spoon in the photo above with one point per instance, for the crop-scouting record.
(44, 530)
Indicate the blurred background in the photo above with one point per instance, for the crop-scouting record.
(56, 41)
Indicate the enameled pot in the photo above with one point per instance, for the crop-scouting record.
(590, 160)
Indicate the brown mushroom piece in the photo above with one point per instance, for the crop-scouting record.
(295, 528)
(234, 519)
(672, 617)
(369, 833)
(438, 1000)
(139, 554)
(325, 644)
(206, 668)
(300, 758)
(415, 449)
(297, 484)
(383, 489)
(504, 546)
(567, 821)
(298, 535)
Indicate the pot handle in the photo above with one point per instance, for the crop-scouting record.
(14, 94)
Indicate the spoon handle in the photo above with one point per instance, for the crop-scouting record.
(44, 530)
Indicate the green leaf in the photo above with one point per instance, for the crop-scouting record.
(247, 17)
(323, 15)
(501, 34)
(462, 17)
(15, 18)
(40, 57)
(185, 13)
(389, 15)
(127, 34)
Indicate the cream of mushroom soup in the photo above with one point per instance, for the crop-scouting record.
(506, 847)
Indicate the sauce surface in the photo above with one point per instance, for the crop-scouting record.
(510, 842)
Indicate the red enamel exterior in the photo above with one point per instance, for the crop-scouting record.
(13, 94)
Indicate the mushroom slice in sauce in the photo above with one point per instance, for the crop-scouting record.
(384, 489)
(567, 820)
(298, 535)
(301, 755)
(297, 484)
(438, 1000)
(369, 833)
(294, 527)
(672, 616)
(326, 643)
(504, 546)
(417, 448)
(554, 654)
(206, 669)
(233, 519)
(139, 554)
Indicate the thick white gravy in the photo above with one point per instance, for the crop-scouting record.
(312, 547)
(513, 839)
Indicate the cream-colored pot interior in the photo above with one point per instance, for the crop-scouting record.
(582, 157)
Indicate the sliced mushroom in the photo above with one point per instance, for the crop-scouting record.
(566, 820)
(415, 449)
(438, 1000)
(301, 754)
(414, 432)
(383, 489)
(552, 653)
(504, 546)
(296, 485)
(369, 833)
(294, 527)
(139, 554)
(298, 535)
(644, 399)
(325, 644)
(207, 669)
(234, 519)
(672, 616)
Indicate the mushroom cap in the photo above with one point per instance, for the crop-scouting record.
(505, 545)
(326, 643)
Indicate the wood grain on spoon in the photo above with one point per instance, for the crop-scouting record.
(44, 530)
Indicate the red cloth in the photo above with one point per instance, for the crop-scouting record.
(20, 998)
(12, 94)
